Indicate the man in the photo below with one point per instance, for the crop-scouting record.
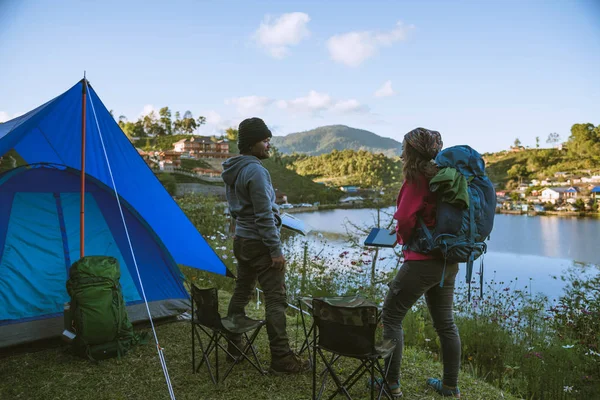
(257, 245)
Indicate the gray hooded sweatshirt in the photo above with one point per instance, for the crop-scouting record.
(251, 199)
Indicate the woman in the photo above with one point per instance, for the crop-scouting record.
(421, 273)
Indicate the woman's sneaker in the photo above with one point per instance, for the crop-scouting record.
(289, 363)
(440, 388)
(394, 390)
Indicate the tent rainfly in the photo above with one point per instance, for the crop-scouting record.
(39, 218)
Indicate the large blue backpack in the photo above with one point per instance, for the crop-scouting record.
(460, 232)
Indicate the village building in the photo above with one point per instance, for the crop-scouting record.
(558, 194)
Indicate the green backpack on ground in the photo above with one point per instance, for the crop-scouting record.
(99, 316)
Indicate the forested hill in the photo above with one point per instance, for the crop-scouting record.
(325, 139)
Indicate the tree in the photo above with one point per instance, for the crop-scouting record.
(177, 126)
(553, 138)
(165, 120)
(188, 123)
(517, 143)
(151, 124)
(231, 134)
(537, 142)
(584, 142)
(517, 171)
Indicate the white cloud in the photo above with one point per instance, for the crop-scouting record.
(213, 118)
(149, 109)
(276, 35)
(350, 106)
(385, 90)
(4, 116)
(216, 124)
(249, 104)
(353, 48)
(313, 103)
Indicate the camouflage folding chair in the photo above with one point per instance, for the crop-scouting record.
(206, 318)
(345, 327)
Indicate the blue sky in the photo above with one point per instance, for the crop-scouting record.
(481, 72)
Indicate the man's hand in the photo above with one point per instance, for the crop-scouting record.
(278, 262)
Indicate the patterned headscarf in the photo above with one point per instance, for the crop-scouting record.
(427, 143)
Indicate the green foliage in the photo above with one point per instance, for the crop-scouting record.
(231, 134)
(11, 159)
(584, 142)
(525, 344)
(348, 167)
(336, 137)
(191, 163)
(169, 182)
(161, 124)
(165, 142)
(299, 188)
(582, 156)
(55, 374)
(517, 171)
(208, 216)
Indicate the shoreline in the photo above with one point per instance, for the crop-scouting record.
(325, 207)
(579, 214)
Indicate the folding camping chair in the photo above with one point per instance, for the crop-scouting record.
(345, 327)
(206, 318)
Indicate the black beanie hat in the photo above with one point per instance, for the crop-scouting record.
(250, 132)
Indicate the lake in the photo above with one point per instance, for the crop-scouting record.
(532, 249)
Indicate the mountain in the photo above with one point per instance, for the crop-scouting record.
(324, 139)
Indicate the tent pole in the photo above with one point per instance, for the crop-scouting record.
(82, 204)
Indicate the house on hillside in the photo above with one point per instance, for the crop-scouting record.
(202, 147)
(145, 156)
(349, 189)
(212, 173)
(352, 200)
(558, 194)
(169, 159)
(595, 193)
(280, 197)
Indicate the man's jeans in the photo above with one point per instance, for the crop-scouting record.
(254, 262)
(414, 279)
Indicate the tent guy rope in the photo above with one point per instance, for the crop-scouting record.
(159, 349)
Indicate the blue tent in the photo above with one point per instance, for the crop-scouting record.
(39, 213)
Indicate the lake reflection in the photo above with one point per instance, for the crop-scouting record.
(520, 247)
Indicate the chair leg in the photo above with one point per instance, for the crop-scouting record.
(373, 379)
(335, 378)
(244, 353)
(217, 355)
(209, 348)
(314, 366)
(307, 334)
(253, 350)
(385, 388)
(358, 373)
(193, 349)
(205, 355)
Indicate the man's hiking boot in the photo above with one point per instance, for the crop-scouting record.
(444, 390)
(289, 363)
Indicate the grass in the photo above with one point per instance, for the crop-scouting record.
(189, 163)
(55, 374)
